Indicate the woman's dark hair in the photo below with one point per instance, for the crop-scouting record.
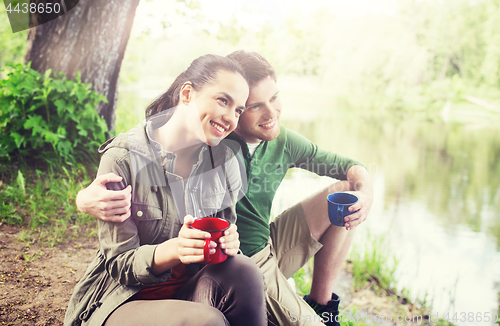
(255, 67)
(201, 72)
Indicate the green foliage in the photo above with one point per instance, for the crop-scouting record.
(415, 58)
(20, 183)
(462, 38)
(44, 203)
(498, 311)
(351, 321)
(303, 280)
(54, 119)
(373, 264)
(12, 45)
(8, 213)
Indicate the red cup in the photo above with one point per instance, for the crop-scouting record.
(216, 226)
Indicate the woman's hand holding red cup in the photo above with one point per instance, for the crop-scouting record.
(230, 242)
(190, 243)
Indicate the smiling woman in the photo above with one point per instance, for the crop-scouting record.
(176, 170)
(219, 104)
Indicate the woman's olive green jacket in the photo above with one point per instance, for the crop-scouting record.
(160, 200)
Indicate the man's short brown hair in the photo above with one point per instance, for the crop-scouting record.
(255, 67)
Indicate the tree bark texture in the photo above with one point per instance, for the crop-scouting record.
(91, 38)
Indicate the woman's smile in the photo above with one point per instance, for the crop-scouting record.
(218, 128)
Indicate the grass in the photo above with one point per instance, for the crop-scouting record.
(369, 267)
(42, 204)
(373, 266)
(303, 279)
(498, 311)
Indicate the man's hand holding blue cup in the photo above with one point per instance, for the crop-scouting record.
(338, 207)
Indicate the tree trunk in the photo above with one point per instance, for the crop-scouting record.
(91, 38)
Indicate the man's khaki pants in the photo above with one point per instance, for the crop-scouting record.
(289, 248)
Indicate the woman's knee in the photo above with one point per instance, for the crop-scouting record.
(166, 312)
(208, 316)
(245, 272)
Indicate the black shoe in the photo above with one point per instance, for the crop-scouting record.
(329, 313)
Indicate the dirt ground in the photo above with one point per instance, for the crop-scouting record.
(36, 282)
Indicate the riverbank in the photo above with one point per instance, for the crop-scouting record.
(366, 306)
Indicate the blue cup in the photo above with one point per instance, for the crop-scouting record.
(338, 207)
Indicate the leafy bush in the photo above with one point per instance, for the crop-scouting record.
(54, 119)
